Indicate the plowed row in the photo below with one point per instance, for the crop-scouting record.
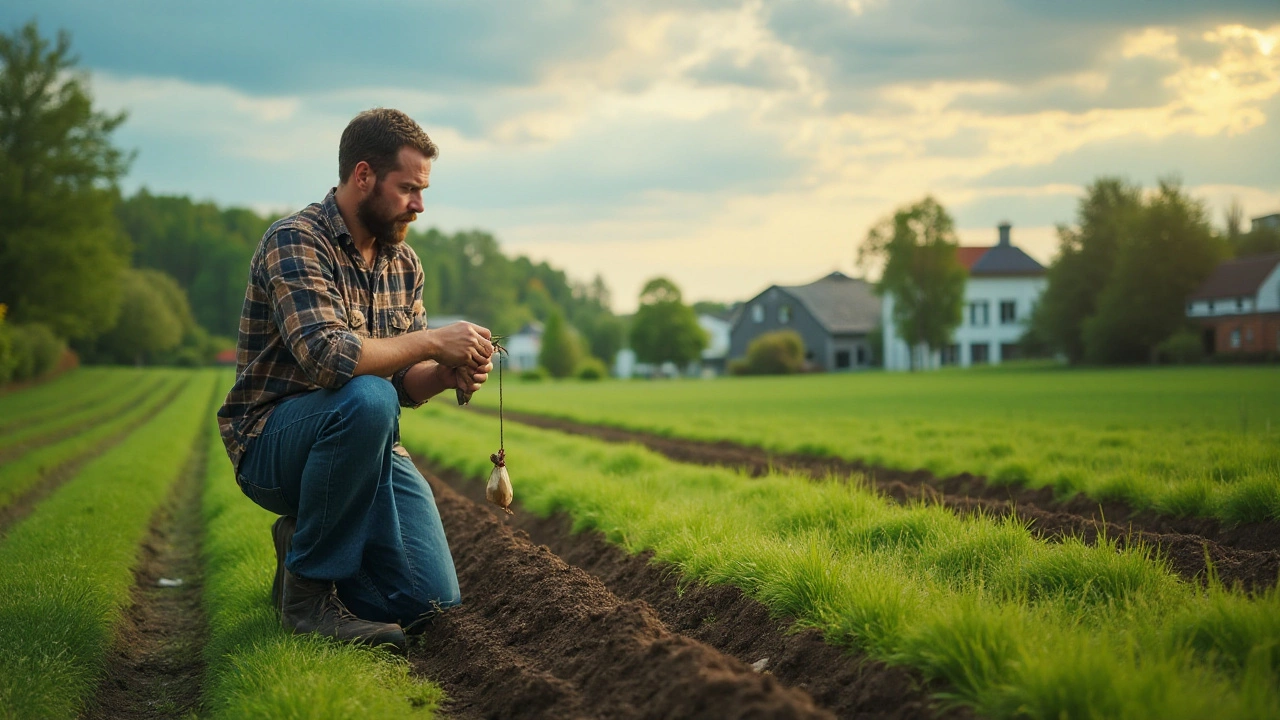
(1245, 555)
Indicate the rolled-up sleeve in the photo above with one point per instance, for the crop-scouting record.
(418, 321)
(307, 309)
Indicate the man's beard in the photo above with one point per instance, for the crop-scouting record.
(387, 230)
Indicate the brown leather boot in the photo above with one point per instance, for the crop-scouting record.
(313, 606)
(282, 533)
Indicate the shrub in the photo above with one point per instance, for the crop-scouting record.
(535, 374)
(775, 353)
(34, 351)
(1180, 348)
(592, 368)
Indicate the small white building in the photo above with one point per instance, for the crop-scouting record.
(524, 347)
(1004, 286)
(716, 354)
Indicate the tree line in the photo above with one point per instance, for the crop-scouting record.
(1116, 292)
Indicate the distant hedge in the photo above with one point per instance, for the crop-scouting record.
(28, 351)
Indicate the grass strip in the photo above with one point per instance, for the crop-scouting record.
(67, 570)
(255, 668)
(1018, 627)
(79, 388)
(21, 474)
(77, 419)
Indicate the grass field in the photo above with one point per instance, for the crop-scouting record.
(1184, 441)
(1018, 626)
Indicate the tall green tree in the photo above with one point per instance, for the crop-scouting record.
(921, 272)
(1106, 218)
(153, 319)
(664, 329)
(559, 353)
(1171, 250)
(61, 250)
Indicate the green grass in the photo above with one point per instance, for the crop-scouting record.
(96, 412)
(66, 570)
(81, 387)
(1183, 441)
(22, 473)
(1018, 627)
(256, 669)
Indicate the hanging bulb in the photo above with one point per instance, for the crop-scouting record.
(498, 491)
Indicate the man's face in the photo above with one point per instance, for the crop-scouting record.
(396, 199)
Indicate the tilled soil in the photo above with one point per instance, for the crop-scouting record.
(538, 638)
(155, 667)
(1246, 555)
(846, 684)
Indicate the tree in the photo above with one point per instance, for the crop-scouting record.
(154, 316)
(61, 250)
(664, 329)
(1106, 217)
(559, 353)
(921, 272)
(1171, 251)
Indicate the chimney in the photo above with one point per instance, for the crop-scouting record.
(1004, 233)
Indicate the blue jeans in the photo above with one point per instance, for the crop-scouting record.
(366, 518)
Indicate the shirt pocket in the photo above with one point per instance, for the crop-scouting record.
(357, 322)
(393, 321)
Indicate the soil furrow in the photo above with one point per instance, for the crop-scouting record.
(155, 668)
(845, 683)
(1246, 555)
(40, 441)
(24, 504)
(537, 638)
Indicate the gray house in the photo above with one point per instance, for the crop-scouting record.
(833, 316)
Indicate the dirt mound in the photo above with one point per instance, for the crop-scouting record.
(845, 683)
(1242, 555)
(538, 638)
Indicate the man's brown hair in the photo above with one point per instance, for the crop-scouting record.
(376, 136)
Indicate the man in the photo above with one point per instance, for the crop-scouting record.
(333, 341)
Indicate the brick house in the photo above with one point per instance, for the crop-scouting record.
(1238, 306)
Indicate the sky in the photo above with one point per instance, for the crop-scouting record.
(726, 145)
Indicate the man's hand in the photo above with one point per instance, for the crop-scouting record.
(463, 345)
(469, 380)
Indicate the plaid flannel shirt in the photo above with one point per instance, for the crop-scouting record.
(310, 302)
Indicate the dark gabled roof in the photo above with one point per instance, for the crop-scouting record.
(1002, 260)
(839, 303)
(969, 254)
(1237, 278)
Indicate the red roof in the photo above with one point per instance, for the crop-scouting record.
(1241, 277)
(970, 255)
(225, 357)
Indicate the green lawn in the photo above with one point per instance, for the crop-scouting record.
(1186, 441)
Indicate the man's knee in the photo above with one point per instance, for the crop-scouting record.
(370, 400)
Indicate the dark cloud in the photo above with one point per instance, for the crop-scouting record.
(278, 48)
(1013, 42)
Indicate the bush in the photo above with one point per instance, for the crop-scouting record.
(775, 353)
(592, 368)
(33, 351)
(534, 374)
(1180, 348)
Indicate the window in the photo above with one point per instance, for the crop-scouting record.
(784, 314)
(978, 353)
(842, 359)
(950, 354)
(1210, 306)
(861, 356)
(1239, 303)
(1008, 312)
(978, 314)
(757, 313)
(1235, 338)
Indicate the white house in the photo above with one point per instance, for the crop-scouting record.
(1004, 285)
(523, 347)
(715, 355)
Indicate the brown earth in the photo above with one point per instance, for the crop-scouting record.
(1246, 555)
(847, 684)
(538, 638)
(155, 667)
(54, 477)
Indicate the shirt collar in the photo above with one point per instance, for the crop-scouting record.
(338, 227)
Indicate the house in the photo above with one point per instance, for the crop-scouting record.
(833, 315)
(1271, 222)
(524, 347)
(1004, 285)
(1238, 306)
